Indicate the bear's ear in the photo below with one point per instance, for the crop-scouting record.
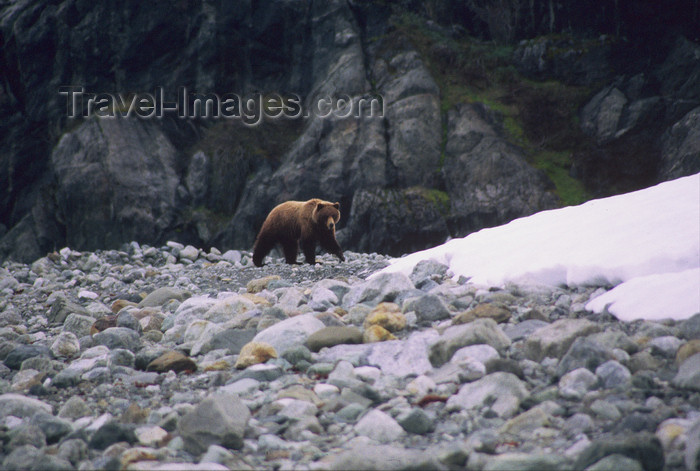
(336, 205)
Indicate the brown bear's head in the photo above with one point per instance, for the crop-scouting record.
(326, 214)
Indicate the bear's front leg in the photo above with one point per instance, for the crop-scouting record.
(330, 245)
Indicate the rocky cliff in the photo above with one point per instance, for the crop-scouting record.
(470, 135)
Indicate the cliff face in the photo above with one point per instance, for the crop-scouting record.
(432, 164)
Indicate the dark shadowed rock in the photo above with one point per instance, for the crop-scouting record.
(680, 151)
(407, 220)
(126, 165)
(112, 432)
(118, 337)
(487, 179)
(643, 447)
(20, 353)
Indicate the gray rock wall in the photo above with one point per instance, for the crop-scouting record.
(421, 171)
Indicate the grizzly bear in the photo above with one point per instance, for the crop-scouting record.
(299, 222)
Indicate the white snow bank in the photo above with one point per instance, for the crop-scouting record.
(655, 231)
(653, 297)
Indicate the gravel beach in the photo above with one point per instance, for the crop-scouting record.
(155, 358)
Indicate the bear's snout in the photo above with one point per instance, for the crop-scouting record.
(330, 223)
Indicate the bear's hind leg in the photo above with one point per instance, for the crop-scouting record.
(309, 248)
(290, 247)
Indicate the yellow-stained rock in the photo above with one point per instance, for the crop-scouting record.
(484, 310)
(687, 350)
(376, 333)
(340, 311)
(258, 300)
(218, 365)
(386, 315)
(136, 454)
(103, 323)
(259, 284)
(120, 304)
(253, 353)
(172, 360)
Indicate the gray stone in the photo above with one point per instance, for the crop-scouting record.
(403, 357)
(322, 298)
(297, 355)
(364, 456)
(73, 450)
(121, 357)
(416, 421)
(688, 376)
(189, 310)
(189, 253)
(22, 458)
(355, 354)
(232, 256)
(555, 339)
(613, 375)
(523, 329)
(379, 426)
(74, 408)
(575, 384)
(334, 335)
(65, 345)
(230, 308)
(290, 332)
(240, 387)
(27, 434)
(20, 353)
(231, 339)
(690, 328)
(605, 410)
(21, 406)
(665, 346)
(526, 462)
(67, 378)
(617, 462)
(62, 308)
(428, 308)
(583, 353)
(480, 331)
(263, 372)
(425, 270)
(692, 447)
(642, 447)
(53, 428)
(118, 337)
(577, 424)
(127, 320)
(78, 324)
(110, 433)
(481, 353)
(503, 391)
(382, 287)
(217, 420)
(351, 412)
(466, 370)
(339, 288)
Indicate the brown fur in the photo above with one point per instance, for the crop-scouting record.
(299, 222)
